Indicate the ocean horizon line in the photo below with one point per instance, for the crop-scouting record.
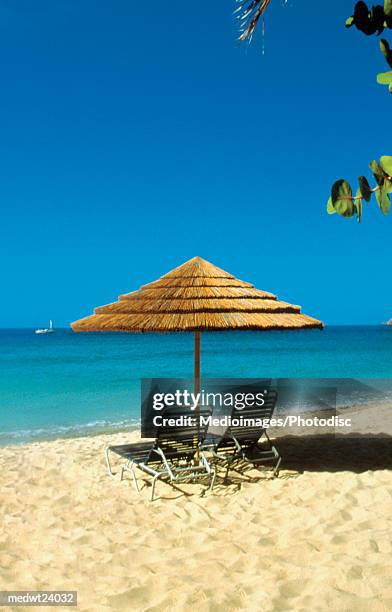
(68, 328)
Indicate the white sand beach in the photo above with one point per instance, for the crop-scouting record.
(319, 537)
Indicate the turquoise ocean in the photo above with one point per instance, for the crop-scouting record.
(68, 384)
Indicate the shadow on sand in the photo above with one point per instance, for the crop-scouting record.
(329, 453)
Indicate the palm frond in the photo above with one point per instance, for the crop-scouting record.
(248, 13)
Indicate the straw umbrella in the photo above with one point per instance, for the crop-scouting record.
(197, 296)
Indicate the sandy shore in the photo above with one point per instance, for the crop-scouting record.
(317, 538)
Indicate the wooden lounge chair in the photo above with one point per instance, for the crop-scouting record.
(174, 456)
(243, 444)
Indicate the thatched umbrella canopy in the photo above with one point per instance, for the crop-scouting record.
(196, 297)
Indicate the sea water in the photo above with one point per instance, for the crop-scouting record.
(67, 384)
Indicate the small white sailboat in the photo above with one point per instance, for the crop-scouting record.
(46, 330)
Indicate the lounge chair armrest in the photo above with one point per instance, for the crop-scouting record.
(205, 462)
(237, 444)
(161, 454)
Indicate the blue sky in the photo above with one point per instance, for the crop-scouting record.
(137, 135)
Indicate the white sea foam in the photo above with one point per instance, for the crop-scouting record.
(21, 436)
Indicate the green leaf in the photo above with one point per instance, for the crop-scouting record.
(378, 172)
(383, 201)
(341, 189)
(384, 46)
(386, 51)
(358, 206)
(384, 78)
(342, 198)
(364, 188)
(387, 186)
(386, 163)
(349, 22)
(330, 207)
(388, 7)
(375, 167)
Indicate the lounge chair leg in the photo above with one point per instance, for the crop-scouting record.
(135, 482)
(276, 468)
(154, 481)
(213, 476)
(227, 473)
(110, 472)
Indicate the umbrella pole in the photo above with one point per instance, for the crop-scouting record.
(196, 384)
